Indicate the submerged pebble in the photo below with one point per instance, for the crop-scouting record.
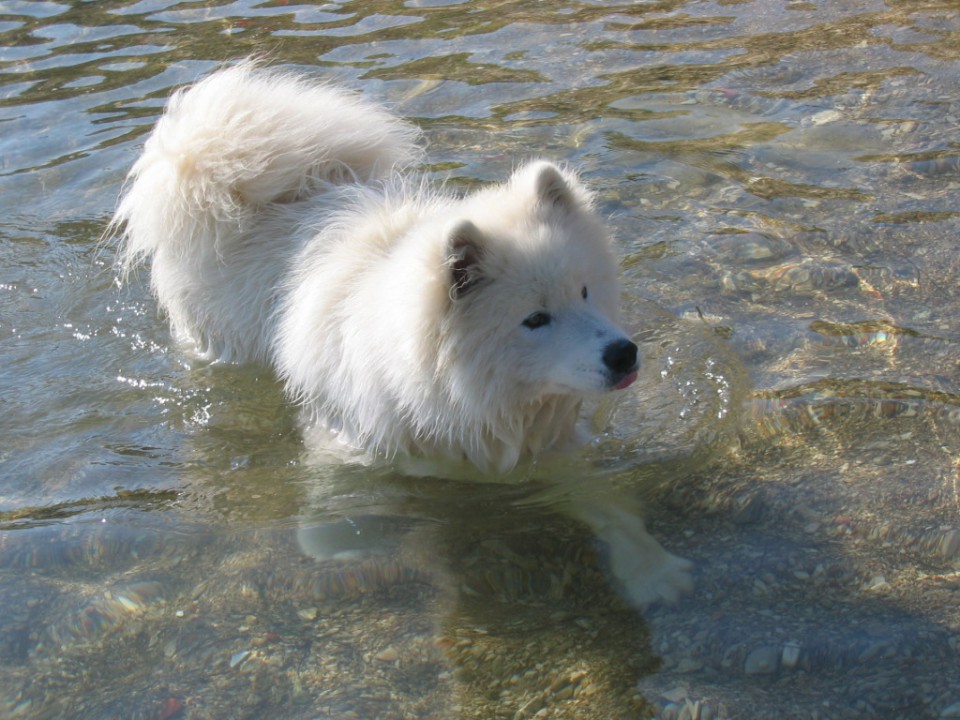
(790, 655)
(307, 614)
(951, 711)
(762, 660)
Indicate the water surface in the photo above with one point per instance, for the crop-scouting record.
(782, 175)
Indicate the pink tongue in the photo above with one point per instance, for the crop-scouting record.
(626, 382)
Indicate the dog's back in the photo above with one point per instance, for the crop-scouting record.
(231, 155)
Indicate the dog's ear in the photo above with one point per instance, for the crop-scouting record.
(552, 188)
(464, 255)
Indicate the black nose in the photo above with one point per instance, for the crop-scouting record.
(620, 356)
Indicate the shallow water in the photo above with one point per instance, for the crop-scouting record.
(781, 175)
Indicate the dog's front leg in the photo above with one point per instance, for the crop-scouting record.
(646, 572)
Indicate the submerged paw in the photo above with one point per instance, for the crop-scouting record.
(665, 583)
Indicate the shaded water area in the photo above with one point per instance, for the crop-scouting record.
(782, 176)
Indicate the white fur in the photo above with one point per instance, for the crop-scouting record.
(282, 229)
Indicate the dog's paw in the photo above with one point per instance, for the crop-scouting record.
(649, 574)
(645, 571)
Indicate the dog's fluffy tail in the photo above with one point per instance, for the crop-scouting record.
(239, 140)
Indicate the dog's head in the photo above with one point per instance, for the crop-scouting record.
(534, 299)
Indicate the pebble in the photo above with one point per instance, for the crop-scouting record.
(238, 658)
(790, 655)
(877, 584)
(950, 543)
(307, 614)
(675, 695)
(750, 510)
(952, 711)
(827, 116)
(762, 660)
(873, 650)
(688, 665)
(389, 654)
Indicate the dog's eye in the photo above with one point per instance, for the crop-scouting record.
(537, 319)
(583, 293)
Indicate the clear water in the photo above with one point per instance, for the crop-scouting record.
(782, 174)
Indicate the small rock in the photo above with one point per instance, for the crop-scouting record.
(762, 660)
(669, 712)
(308, 614)
(791, 654)
(876, 649)
(751, 510)
(952, 711)
(238, 658)
(687, 665)
(877, 584)
(389, 654)
(675, 695)
(950, 543)
(824, 117)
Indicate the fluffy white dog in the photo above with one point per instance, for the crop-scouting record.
(408, 321)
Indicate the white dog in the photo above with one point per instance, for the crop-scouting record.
(408, 321)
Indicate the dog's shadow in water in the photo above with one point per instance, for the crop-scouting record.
(525, 614)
